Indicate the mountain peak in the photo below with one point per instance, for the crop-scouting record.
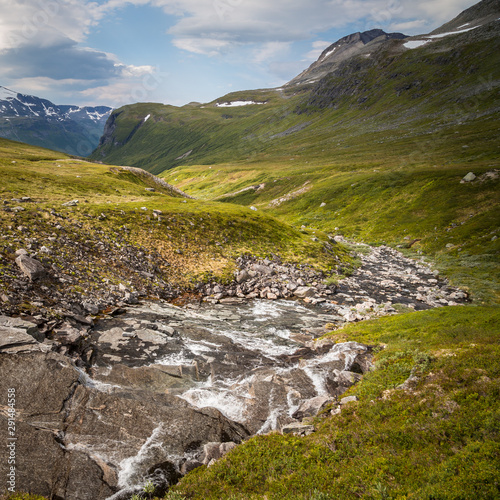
(355, 44)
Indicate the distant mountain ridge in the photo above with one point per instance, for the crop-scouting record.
(37, 121)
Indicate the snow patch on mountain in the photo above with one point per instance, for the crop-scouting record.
(413, 44)
(236, 104)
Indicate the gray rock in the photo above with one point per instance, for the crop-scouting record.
(190, 465)
(72, 203)
(262, 269)
(227, 447)
(211, 451)
(312, 407)
(131, 298)
(348, 399)
(469, 177)
(66, 334)
(90, 308)
(298, 429)
(243, 276)
(13, 340)
(304, 291)
(32, 268)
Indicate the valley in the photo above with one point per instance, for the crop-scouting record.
(286, 293)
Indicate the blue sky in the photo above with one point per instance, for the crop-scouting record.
(115, 52)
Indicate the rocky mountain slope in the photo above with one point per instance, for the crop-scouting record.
(355, 45)
(70, 129)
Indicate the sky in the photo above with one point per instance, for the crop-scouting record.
(116, 52)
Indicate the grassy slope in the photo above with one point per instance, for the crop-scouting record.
(439, 440)
(193, 240)
(389, 169)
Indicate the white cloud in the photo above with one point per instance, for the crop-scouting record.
(409, 27)
(207, 46)
(269, 51)
(23, 22)
(317, 48)
(208, 27)
(138, 84)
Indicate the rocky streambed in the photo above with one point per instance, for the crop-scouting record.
(153, 390)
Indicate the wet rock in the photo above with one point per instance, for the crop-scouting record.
(31, 268)
(72, 438)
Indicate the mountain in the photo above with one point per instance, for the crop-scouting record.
(376, 149)
(70, 129)
(369, 81)
(354, 45)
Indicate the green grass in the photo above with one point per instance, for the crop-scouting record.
(436, 441)
(190, 241)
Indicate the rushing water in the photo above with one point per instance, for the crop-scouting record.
(240, 359)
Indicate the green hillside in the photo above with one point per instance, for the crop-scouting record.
(379, 151)
(123, 227)
(375, 151)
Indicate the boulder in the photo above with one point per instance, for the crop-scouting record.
(298, 429)
(263, 269)
(312, 407)
(67, 334)
(243, 276)
(31, 268)
(304, 291)
(469, 177)
(18, 335)
(348, 399)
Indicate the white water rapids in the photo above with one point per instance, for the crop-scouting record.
(249, 361)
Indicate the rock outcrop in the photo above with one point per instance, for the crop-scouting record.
(77, 443)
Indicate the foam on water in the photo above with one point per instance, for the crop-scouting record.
(228, 402)
(176, 359)
(266, 344)
(129, 466)
(263, 310)
(198, 347)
